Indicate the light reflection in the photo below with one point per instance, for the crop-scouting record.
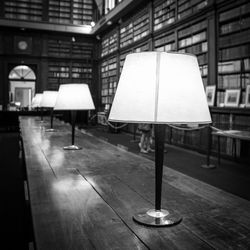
(46, 144)
(73, 193)
(56, 157)
(71, 183)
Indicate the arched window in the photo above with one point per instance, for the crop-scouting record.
(22, 87)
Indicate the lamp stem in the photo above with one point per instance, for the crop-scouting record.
(73, 121)
(159, 156)
(41, 114)
(51, 118)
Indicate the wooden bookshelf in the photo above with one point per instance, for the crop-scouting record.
(164, 13)
(108, 80)
(23, 10)
(59, 48)
(122, 58)
(189, 7)
(81, 72)
(82, 11)
(234, 52)
(135, 29)
(82, 50)
(77, 12)
(109, 43)
(59, 11)
(63, 72)
(165, 42)
(68, 48)
(141, 48)
(58, 72)
(193, 39)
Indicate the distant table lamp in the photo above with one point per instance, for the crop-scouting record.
(49, 101)
(160, 88)
(36, 101)
(74, 97)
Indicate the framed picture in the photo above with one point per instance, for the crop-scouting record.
(210, 93)
(247, 96)
(232, 97)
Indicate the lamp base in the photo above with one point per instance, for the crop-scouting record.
(157, 218)
(72, 147)
(210, 166)
(50, 130)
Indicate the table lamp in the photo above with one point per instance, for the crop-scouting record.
(160, 88)
(74, 97)
(36, 101)
(48, 101)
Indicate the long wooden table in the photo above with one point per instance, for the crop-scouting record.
(86, 199)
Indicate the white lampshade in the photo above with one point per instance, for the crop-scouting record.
(49, 99)
(74, 97)
(36, 100)
(160, 87)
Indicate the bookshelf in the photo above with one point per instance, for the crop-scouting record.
(165, 42)
(82, 11)
(189, 7)
(126, 34)
(135, 29)
(77, 12)
(234, 52)
(82, 50)
(193, 39)
(164, 13)
(59, 48)
(122, 58)
(108, 80)
(65, 72)
(23, 10)
(67, 48)
(109, 43)
(59, 11)
(58, 73)
(81, 72)
(141, 48)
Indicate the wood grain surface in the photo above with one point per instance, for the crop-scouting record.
(86, 199)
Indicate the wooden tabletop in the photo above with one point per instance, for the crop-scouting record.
(86, 199)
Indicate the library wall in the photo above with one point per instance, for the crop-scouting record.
(52, 11)
(216, 31)
(55, 59)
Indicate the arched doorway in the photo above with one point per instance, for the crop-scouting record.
(22, 81)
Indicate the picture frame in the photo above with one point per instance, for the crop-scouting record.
(247, 101)
(232, 97)
(210, 93)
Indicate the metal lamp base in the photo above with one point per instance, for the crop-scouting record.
(157, 218)
(210, 166)
(72, 147)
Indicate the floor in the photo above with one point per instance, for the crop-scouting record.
(229, 176)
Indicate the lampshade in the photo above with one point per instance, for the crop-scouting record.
(36, 100)
(48, 99)
(74, 97)
(160, 87)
